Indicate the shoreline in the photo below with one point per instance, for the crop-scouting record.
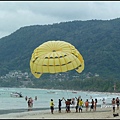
(66, 90)
(100, 113)
(22, 110)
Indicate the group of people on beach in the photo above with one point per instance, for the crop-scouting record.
(78, 104)
(115, 102)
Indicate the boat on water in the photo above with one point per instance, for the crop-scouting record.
(74, 92)
(16, 94)
(51, 92)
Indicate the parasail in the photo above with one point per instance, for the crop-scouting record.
(54, 57)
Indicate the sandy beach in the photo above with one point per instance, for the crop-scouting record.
(106, 112)
(100, 113)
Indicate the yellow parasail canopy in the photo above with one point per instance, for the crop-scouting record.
(55, 56)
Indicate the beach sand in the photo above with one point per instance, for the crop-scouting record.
(100, 113)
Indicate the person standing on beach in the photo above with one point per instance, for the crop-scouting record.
(68, 103)
(92, 105)
(77, 103)
(87, 104)
(30, 104)
(113, 104)
(59, 105)
(117, 103)
(52, 106)
(95, 104)
(80, 105)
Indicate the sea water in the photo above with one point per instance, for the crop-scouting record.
(45, 95)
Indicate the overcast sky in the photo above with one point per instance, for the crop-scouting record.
(17, 14)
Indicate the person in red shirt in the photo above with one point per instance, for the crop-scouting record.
(68, 103)
(87, 104)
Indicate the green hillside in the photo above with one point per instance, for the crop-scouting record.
(97, 40)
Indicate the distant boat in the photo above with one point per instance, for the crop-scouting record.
(74, 92)
(16, 94)
(51, 92)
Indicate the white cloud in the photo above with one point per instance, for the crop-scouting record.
(14, 15)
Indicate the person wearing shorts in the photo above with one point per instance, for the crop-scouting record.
(117, 103)
(80, 105)
(52, 106)
(113, 104)
(87, 104)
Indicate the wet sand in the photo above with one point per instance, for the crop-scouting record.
(100, 113)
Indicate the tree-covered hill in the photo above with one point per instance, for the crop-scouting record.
(97, 40)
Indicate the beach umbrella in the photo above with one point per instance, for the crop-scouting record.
(54, 57)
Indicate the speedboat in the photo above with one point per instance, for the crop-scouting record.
(16, 94)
